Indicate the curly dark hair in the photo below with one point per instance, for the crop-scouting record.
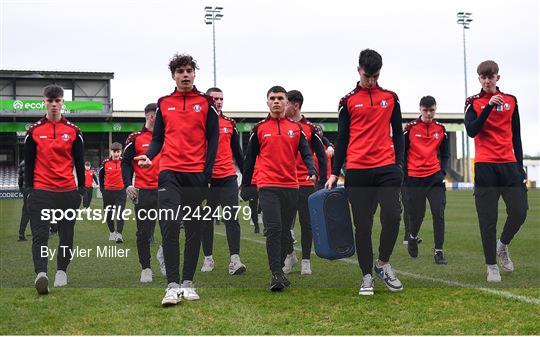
(180, 60)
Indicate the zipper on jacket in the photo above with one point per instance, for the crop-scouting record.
(427, 130)
(184, 102)
(278, 129)
(370, 99)
(54, 130)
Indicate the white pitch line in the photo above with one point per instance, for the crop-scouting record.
(502, 293)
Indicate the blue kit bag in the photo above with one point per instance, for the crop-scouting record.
(331, 224)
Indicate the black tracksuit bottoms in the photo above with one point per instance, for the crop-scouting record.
(114, 198)
(39, 200)
(25, 216)
(146, 221)
(305, 222)
(224, 192)
(184, 191)
(255, 209)
(87, 197)
(418, 190)
(367, 188)
(491, 181)
(278, 205)
(406, 221)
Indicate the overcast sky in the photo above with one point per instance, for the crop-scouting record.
(311, 46)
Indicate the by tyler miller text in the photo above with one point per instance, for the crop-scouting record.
(78, 252)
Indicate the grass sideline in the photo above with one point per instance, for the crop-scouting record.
(104, 296)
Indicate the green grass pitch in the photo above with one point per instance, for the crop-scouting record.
(104, 296)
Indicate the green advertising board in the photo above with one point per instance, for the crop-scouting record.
(39, 105)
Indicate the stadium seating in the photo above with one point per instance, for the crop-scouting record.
(9, 178)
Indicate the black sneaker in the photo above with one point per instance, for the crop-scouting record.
(412, 247)
(277, 283)
(439, 258)
(256, 230)
(286, 281)
(22, 238)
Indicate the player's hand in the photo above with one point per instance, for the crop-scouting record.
(331, 182)
(312, 178)
(330, 151)
(143, 161)
(496, 100)
(132, 192)
(248, 192)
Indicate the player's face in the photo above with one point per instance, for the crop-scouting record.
(184, 77)
(218, 99)
(54, 106)
(86, 166)
(277, 101)
(489, 82)
(428, 113)
(368, 80)
(151, 119)
(115, 154)
(291, 109)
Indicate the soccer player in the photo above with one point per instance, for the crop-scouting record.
(426, 161)
(90, 178)
(113, 191)
(186, 134)
(224, 190)
(313, 134)
(53, 148)
(25, 217)
(370, 141)
(273, 142)
(492, 119)
(143, 189)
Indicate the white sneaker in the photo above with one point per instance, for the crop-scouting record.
(60, 279)
(208, 264)
(504, 257)
(119, 238)
(42, 283)
(493, 274)
(260, 218)
(188, 291)
(366, 288)
(290, 261)
(236, 267)
(306, 267)
(386, 273)
(112, 236)
(161, 260)
(146, 275)
(173, 295)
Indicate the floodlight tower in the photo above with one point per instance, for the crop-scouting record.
(464, 19)
(212, 15)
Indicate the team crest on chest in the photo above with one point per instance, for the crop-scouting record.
(65, 137)
(436, 135)
(290, 133)
(225, 130)
(384, 103)
(197, 107)
(506, 106)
